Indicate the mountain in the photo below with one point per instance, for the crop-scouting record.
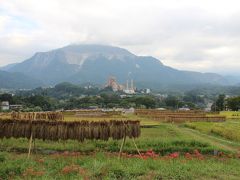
(95, 63)
(233, 79)
(15, 80)
(7, 67)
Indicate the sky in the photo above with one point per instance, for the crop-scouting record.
(195, 35)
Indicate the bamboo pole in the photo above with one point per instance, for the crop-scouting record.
(121, 148)
(136, 147)
(30, 146)
(31, 138)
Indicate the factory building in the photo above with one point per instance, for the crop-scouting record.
(128, 88)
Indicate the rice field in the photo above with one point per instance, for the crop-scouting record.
(193, 150)
(229, 130)
(231, 114)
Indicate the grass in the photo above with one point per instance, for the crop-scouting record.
(230, 114)
(103, 166)
(97, 159)
(229, 130)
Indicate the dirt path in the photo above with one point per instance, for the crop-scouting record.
(216, 141)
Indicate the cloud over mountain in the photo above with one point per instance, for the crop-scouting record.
(190, 34)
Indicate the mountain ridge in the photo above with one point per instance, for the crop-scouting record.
(17, 80)
(95, 63)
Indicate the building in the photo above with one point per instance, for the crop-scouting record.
(148, 91)
(129, 111)
(129, 89)
(16, 107)
(5, 105)
(184, 109)
(145, 91)
(112, 83)
(161, 109)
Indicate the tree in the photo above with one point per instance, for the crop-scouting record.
(147, 101)
(172, 101)
(193, 97)
(220, 102)
(233, 103)
(46, 103)
(6, 97)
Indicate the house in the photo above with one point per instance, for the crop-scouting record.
(184, 109)
(16, 107)
(5, 105)
(129, 111)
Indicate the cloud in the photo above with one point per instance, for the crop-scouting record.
(188, 34)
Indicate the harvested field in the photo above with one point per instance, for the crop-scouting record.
(165, 112)
(5, 115)
(180, 119)
(179, 116)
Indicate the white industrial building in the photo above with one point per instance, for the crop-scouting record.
(4, 105)
(129, 90)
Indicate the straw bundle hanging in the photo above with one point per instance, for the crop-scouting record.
(54, 116)
(76, 130)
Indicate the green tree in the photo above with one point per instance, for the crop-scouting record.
(172, 101)
(46, 103)
(147, 101)
(220, 102)
(233, 103)
(6, 97)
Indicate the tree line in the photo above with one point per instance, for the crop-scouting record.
(224, 103)
(37, 102)
(69, 96)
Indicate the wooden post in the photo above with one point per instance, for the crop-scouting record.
(31, 137)
(121, 148)
(30, 146)
(137, 147)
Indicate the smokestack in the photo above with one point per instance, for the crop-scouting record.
(132, 84)
(127, 84)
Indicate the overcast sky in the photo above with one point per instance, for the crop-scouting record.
(199, 35)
